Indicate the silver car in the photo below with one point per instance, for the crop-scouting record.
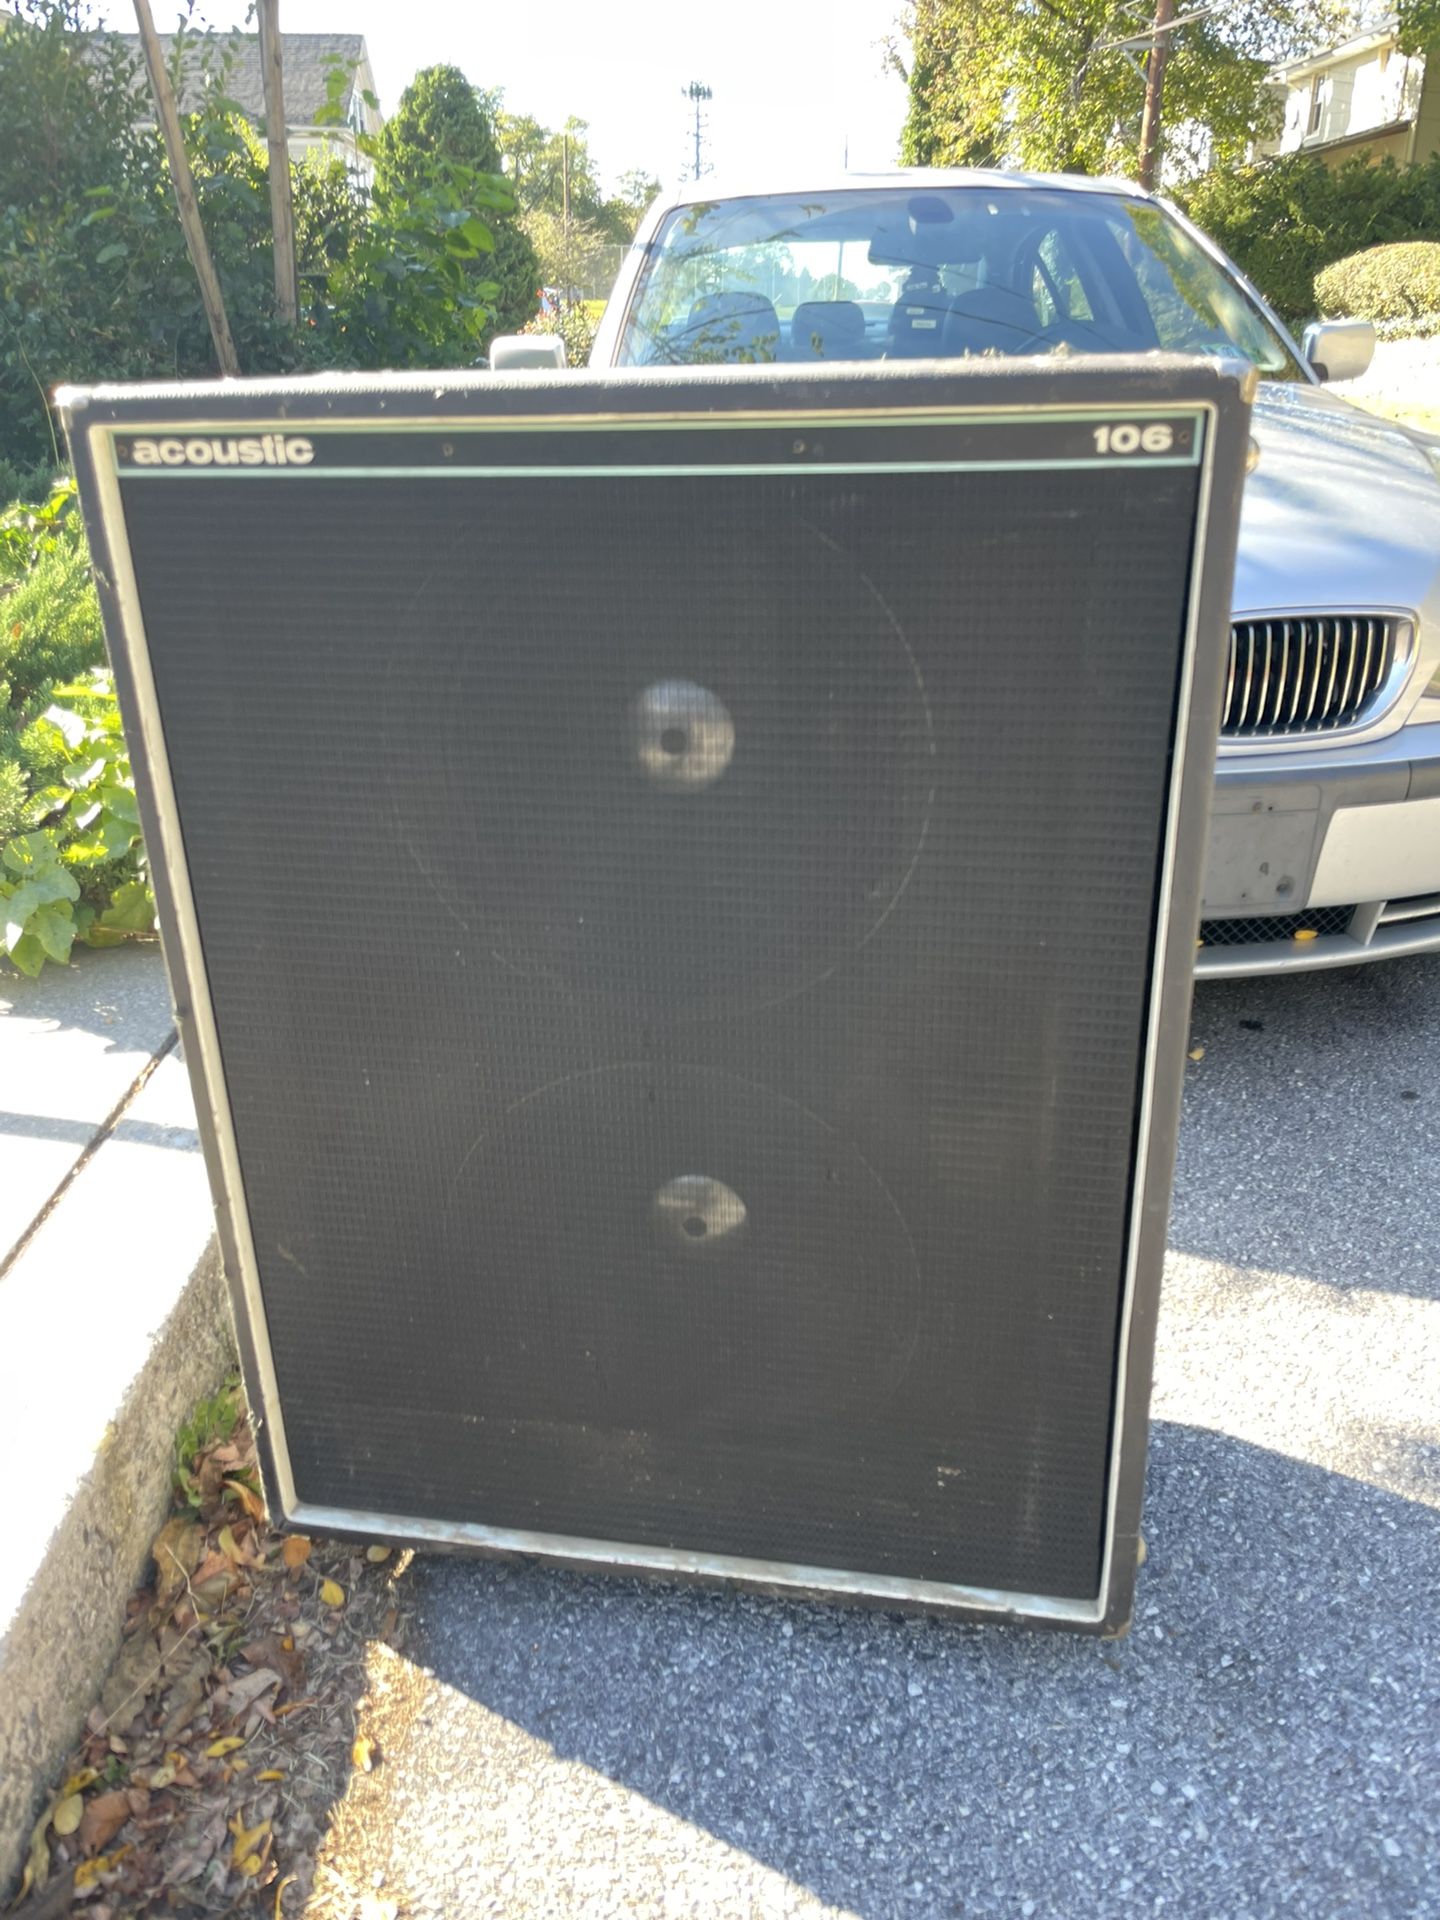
(1325, 843)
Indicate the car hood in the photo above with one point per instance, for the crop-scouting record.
(1342, 510)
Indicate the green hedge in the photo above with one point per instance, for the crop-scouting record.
(1394, 283)
(49, 634)
(72, 862)
(1283, 221)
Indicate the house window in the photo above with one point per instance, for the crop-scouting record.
(1317, 105)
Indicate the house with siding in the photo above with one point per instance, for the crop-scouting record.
(308, 60)
(1363, 96)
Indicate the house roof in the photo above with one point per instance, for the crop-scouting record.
(1379, 33)
(307, 60)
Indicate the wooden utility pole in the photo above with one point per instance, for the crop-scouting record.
(566, 291)
(1149, 168)
(282, 218)
(184, 185)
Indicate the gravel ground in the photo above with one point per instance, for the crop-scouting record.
(1266, 1742)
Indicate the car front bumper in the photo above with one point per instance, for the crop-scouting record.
(1323, 857)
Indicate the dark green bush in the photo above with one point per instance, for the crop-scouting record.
(72, 862)
(49, 616)
(49, 634)
(1284, 220)
(1395, 283)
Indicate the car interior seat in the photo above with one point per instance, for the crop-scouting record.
(732, 328)
(919, 315)
(827, 330)
(990, 319)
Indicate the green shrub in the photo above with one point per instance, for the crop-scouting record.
(49, 634)
(80, 873)
(574, 326)
(72, 862)
(1394, 283)
(49, 616)
(1284, 220)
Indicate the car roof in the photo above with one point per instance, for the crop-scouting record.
(834, 180)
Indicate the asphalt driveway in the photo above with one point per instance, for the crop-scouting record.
(1266, 1742)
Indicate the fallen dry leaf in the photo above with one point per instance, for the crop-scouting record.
(37, 1859)
(67, 1814)
(136, 1667)
(1197, 1053)
(243, 1693)
(176, 1550)
(224, 1595)
(215, 1566)
(89, 1871)
(249, 1500)
(103, 1819)
(247, 1839)
(278, 1652)
(182, 1700)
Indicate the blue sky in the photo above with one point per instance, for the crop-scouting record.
(793, 83)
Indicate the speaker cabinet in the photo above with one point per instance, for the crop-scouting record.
(681, 895)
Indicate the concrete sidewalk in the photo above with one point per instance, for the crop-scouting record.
(111, 1327)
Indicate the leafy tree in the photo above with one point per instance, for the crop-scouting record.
(1044, 86)
(628, 204)
(1419, 25)
(444, 123)
(570, 255)
(537, 160)
(95, 282)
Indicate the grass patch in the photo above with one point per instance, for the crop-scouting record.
(212, 1421)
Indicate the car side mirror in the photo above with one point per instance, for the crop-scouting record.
(511, 350)
(1340, 349)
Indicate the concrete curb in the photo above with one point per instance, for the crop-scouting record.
(112, 1325)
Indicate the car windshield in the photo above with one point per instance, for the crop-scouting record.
(948, 272)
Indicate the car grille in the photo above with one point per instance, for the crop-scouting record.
(1280, 926)
(1311, 673)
